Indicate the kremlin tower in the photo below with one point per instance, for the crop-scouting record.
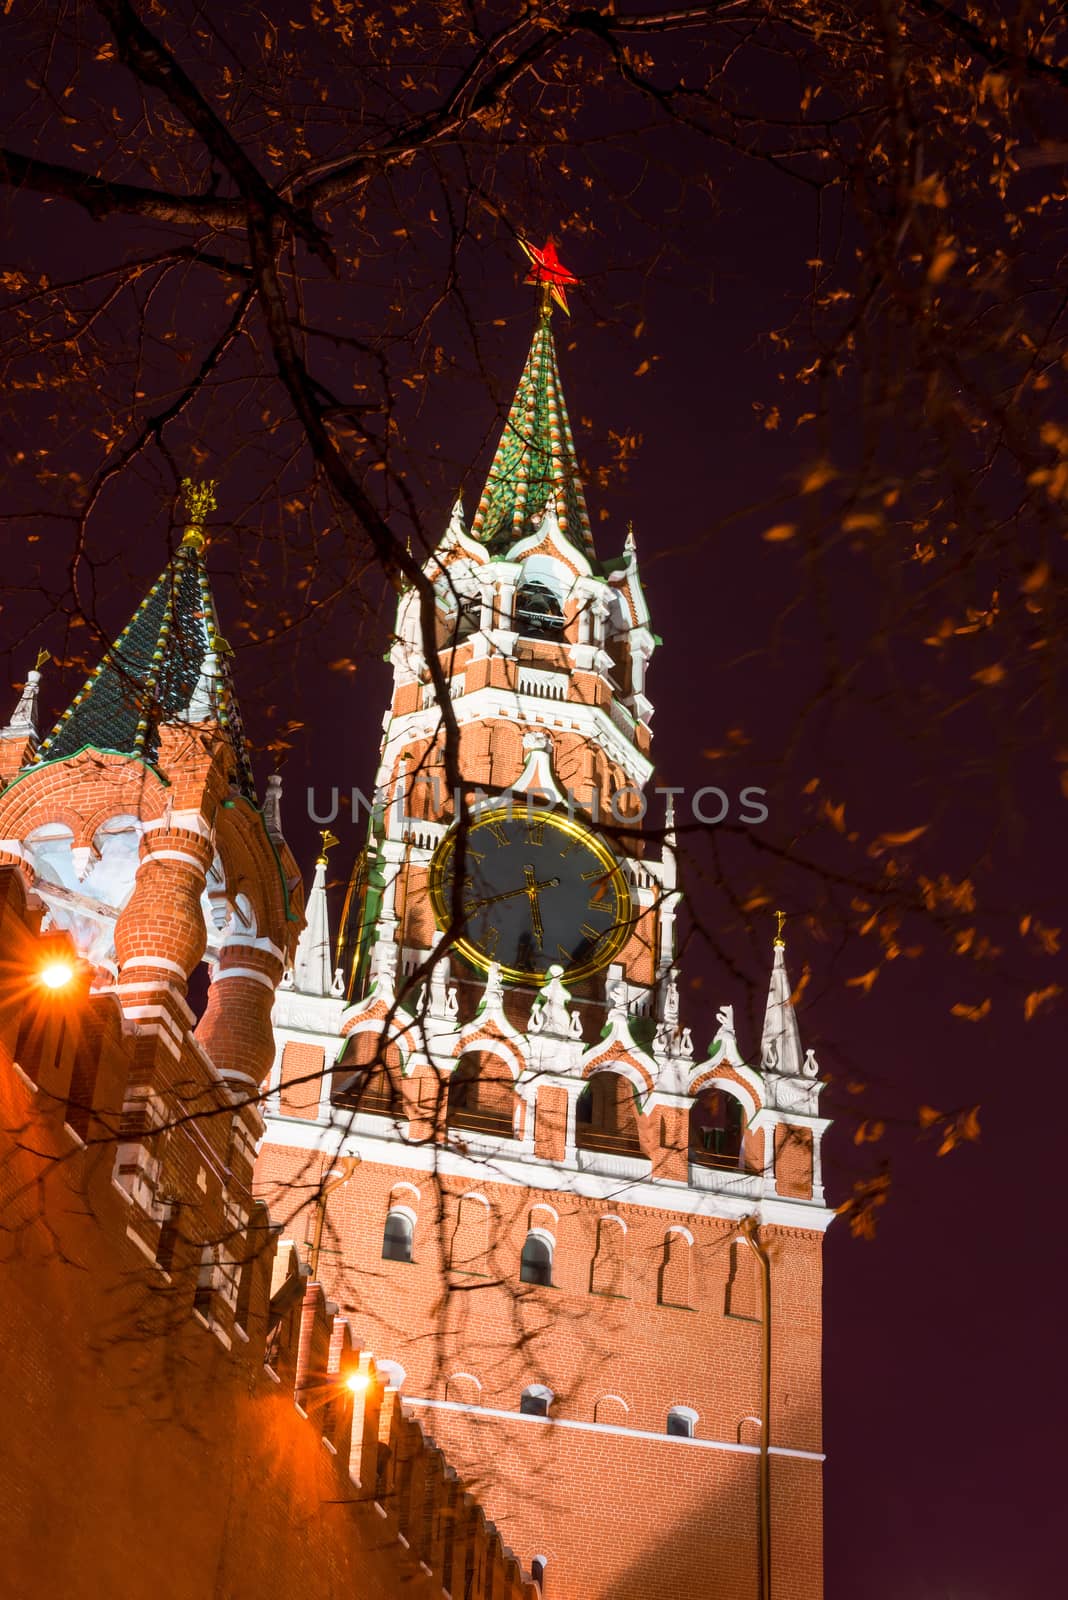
(587, 1251)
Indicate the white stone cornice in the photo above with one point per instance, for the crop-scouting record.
(516, 1167)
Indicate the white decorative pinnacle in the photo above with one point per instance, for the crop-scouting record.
(23, 724)
(549, 1015)
(493, 995)
(442, 1003)
(313, 969)
(780, 1043)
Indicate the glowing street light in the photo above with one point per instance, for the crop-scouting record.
(56, 973)
(358, 1382)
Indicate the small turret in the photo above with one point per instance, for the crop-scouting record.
(313, 970)
(20, 737)
(780, 1042)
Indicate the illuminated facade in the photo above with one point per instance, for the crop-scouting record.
(590, 1251)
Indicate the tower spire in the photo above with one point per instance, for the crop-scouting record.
(312, 969)
(780, 1043)
(169, 664)
(536, 466)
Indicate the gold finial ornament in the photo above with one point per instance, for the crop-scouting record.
(780, 923)
(42, 657)
(329, 841)
(199, 500)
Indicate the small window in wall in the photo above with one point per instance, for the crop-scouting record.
(680, 1422)
(205, 1281)
(537, 612)
(168, 1238)
(536, 1262)
(536, 1401)
(537, 1572)
(397, 1237)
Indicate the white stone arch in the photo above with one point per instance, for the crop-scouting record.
(464, 1377)
(744, 1093)
(625, 1069)
(617, 1398)
(545, 1235)
(392, 1372)
(374, 1025)
(470, 1041)
(612, 1216)
(404, 1188)
(676, 1227)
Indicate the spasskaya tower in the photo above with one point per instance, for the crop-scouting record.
(590, 1250)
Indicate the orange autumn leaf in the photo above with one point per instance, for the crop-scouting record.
(869, 1133)
(817, 477)
(864, 981)
(779, 533)
(904, 838)
(971, 1013)
(1036, 579)
(990, 675)
(939, 269)
(861, 1207)
(1038, 997)
(641, 369)
(960, 1129)
(928, 1116)
(835, 815)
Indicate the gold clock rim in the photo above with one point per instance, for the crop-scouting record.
(562, 824)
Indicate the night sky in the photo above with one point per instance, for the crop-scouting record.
(941, 1377)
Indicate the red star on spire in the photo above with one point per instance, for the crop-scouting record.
(549, 272)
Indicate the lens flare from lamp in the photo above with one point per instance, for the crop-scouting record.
(56, 974)
(358, 1382)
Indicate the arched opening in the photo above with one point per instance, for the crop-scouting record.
(681, 1422)
(717, 1123)
(536, 1400)
(538, 613)
(536, 1262)
(537, 1572)
(367, 1079)
(398, 1237)
(482, 1096)
(459, 617)
(606, 1116)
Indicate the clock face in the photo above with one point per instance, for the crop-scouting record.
(537, 891)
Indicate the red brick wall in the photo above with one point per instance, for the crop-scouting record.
(645, 1501)
(147, 1449)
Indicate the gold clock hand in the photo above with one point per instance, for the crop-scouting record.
(508, 894)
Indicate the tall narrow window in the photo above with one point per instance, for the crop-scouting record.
(398, 1237)
(168, 1239)
(537, 1572)
(202, 1295)
(536, 1262)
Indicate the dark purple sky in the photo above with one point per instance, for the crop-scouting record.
(942, 1381)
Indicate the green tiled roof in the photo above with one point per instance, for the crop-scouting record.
(535, 463)
(152, 674)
